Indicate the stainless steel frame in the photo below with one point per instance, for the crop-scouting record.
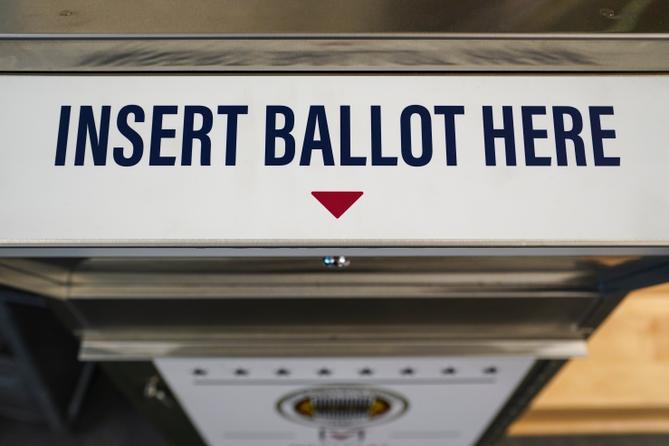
(141, 308)
(309, 53)
(349, 35)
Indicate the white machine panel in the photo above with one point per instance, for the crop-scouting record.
(343, 401)
(348, 160)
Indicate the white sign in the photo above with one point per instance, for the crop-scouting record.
(342, 401)
(347, 160)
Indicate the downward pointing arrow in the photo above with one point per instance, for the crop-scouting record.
(337, 202)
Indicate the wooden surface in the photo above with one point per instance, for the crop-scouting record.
(623, 384)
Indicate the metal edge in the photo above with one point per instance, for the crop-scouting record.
(341, 36)
(319, 251)
(99, 347)
(351, 52)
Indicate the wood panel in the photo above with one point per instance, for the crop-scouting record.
(623, 384)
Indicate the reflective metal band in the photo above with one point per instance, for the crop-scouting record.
(101, 348)
(411, 53)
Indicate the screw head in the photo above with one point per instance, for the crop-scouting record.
(336, 261)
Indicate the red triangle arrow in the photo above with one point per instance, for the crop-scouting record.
(337, 202)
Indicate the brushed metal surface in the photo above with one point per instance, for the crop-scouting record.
(347, 35)
(306, 277)
(127, 308)
(269, 17)
(104, 347)
(139, 308)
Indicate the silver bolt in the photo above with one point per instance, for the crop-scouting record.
(336, 261)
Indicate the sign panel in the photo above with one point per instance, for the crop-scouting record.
(347, 160)
(342, 401)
